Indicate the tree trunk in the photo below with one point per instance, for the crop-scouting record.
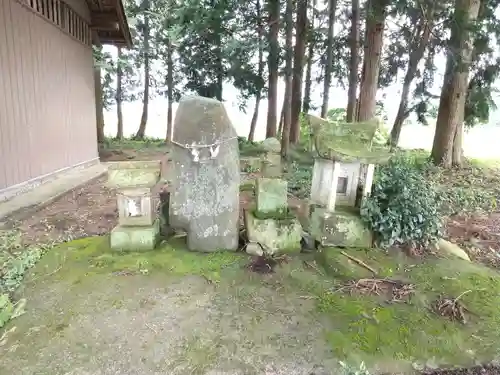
(458, 152)
(119, 95)
(170, 90)
(99, 107)
(287, 101)
(306, 106)
(298, 69)
(375, 21)
(258, 95)
(273, 66)
(145, 100)
(454, 90)
(282, 115)
(421, 38)
(353, 63)
(332, 5)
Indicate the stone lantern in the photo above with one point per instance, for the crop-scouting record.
(342, 178)
(138, 225)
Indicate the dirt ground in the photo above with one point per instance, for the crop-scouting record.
(479, 235)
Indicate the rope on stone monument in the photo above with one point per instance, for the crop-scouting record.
(195, 148)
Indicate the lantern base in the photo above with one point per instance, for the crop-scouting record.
(135, 238)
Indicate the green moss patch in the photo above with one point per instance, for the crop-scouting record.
(368, 328)
(92, 255)
(284, 214)
(355, 328)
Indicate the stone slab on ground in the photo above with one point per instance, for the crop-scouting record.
(135, 238)
(50, 191)
(343, 228)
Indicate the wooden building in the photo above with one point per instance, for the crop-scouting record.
(47, 92)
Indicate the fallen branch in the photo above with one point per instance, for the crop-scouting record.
(361, 263)
(451, 308)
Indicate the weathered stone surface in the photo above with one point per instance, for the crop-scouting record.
(274, 235)
(253, 248)
(339, 266)
(341, 228)
(271, 144)
(126, 174)
(271, 159)
(322, 182)
(271, 195)
(348, 142)
(204, 197)
(136, 238)
(448, 248)
(142, 198)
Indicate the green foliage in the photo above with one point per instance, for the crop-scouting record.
(15, 260)
(403, 207)
(131, 143)
(299, 177)
(248, 148)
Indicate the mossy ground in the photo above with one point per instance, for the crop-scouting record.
(276, 317)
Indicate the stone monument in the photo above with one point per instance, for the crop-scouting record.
(271, 224)
(204, 199)
(138, 226)
(342, 177)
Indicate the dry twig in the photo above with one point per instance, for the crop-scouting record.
(361, 263)
(451, 308)
(397, 290)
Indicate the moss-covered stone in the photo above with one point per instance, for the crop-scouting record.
(343, 228)
(126, 174)
(271, 194)
(275, 235)
(135, 238)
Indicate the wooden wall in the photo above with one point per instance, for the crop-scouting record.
(47, 103)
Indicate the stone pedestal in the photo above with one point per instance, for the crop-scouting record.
(342, 228)
(138, 227)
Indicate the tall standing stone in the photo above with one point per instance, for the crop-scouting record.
(204, 197)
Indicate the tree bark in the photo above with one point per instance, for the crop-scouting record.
(421, 38)
(353, 63)
(141, 132)
(298, 69)
(287, 101)
(258, 95)
(99, 107)
(458, 152)
(371, 65)
(332, 5)
(273, 66)
(282, 114)
(454, 90)
(306, 106)
(170, 90)
(119, 95)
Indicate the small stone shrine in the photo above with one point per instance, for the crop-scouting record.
(138, 226)
(271, 227)
(204, 198)
(342, 178)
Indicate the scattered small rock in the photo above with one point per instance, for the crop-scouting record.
(254, 248)
(308, 243)
(450, 248)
